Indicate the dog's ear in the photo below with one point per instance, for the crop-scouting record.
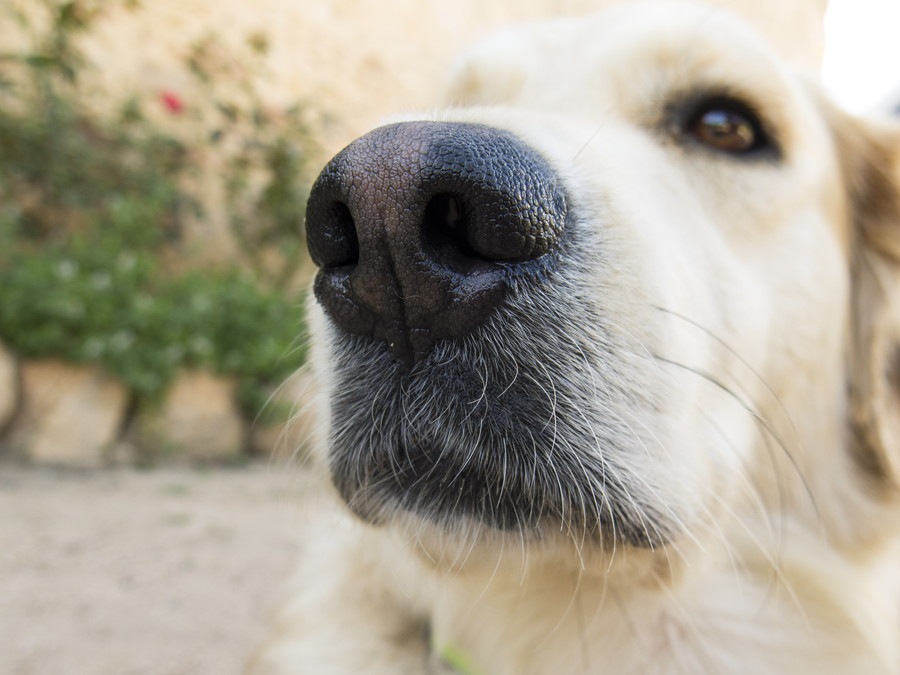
(870, 155)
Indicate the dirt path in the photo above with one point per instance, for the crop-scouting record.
(165, 572)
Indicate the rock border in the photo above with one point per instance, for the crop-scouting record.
(69, 415)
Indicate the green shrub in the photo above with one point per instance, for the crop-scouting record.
(90, 214)
(94, 305)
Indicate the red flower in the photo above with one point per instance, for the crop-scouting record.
(172, 102)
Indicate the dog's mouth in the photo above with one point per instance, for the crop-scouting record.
(481, 392)
(506, 427)
(485, 431)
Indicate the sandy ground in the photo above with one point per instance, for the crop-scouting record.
(126, 572)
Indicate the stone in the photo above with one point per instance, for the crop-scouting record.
(197, 421)
(70, 415)
(9, 387)
(283, 429)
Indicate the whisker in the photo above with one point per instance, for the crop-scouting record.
(763, 423)
(759, 378)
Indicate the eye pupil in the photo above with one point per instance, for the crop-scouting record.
(726, 130)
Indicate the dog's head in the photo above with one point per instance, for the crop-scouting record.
(637, 280)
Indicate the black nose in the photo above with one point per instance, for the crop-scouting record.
(421, 228)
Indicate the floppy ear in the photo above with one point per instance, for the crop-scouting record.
(871, 162)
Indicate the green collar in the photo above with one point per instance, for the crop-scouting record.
(457, 660)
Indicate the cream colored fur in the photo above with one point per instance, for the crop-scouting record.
(777, 282)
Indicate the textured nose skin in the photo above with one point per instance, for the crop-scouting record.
(420, 228)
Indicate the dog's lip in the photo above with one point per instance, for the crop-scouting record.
(436, 485)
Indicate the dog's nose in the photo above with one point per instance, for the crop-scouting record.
(421, 228)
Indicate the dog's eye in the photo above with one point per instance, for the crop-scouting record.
(727, 127)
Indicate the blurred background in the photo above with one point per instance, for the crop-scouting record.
(861, 54)
(154, 163)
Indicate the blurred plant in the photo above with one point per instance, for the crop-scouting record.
(89, 208)
(265, 153)
(94, 302)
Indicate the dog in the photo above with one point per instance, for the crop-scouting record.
(608, 351)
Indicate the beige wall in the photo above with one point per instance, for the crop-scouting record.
(359, 60)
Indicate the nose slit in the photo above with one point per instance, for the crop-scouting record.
(444, 227)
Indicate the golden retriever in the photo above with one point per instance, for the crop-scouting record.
(609, 356)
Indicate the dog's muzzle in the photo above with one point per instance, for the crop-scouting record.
(421, 228)
(465, 348)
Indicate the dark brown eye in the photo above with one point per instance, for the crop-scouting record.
(728, 128)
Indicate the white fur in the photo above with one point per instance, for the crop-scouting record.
(745, 275)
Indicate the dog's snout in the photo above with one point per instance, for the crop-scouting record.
(420, 229)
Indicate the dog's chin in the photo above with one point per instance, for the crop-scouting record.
(481, 432)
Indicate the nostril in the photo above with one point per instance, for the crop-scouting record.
(344, 244)
(444, 211)
(445, 225)
(333, 242)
